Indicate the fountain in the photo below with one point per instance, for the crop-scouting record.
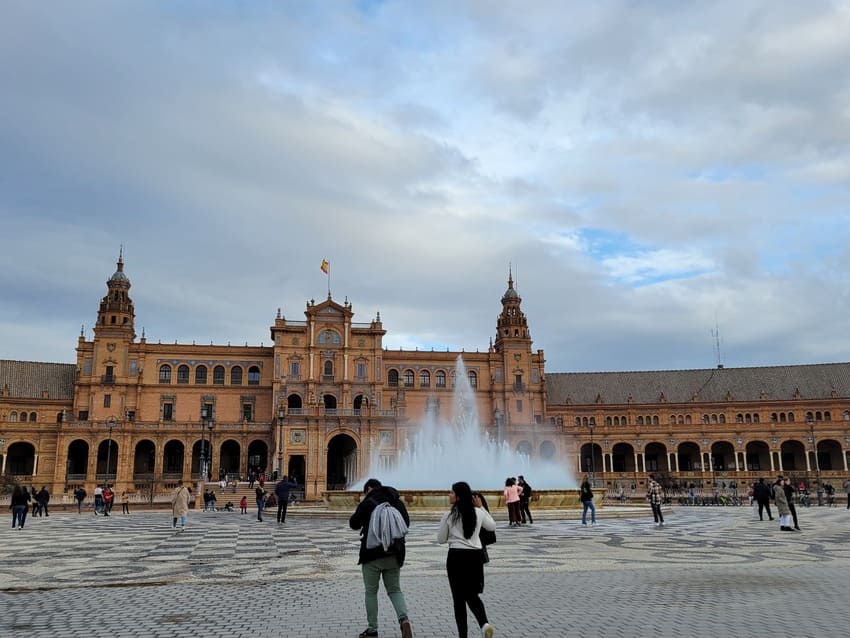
(460, 450)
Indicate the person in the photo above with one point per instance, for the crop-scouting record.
(512, 501)
(655, 496)
(761, 492)
(222, 484)
(179, 505)
(251, 478)
(98, 499)
(789, 496)
(206, 500)
(261, 501)
(281, 491)
(377, 563)
(460, 528)
(213, 501)
(243, 505)
(586, 496)
(524, 500)
(228, 507)
(43, 498)
(35, 508)
(830, 494)
(18, 505)
(108, 498)
(782, 505)
(125, 503)
(80, 496)
(846, 486)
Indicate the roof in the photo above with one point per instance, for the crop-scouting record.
(776, 383)
(28, 379)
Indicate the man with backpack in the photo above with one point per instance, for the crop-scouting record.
(80, 496)
(385, 558)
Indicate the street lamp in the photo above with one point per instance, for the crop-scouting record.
(590, 425)
(207, 420)
(281, 412)
(813, 441)
(111, 423)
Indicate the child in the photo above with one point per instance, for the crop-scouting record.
(243, 505)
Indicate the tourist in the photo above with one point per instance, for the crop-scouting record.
(655, 496)
(80, 496)
(512, 501)
(43, 498)
(18, 505)
(206, 500)
(281, 491)
(789, 496)
(761, 492)
(243, 505)
(524, 500)
(213, 501)
(125, 503)
(35, 508)
(460, 528)
(261, 501)
(377, 563)
(846, 487)
(108, 499)
(180, 505)
(782, 505)
(98, 499)
(586, 497)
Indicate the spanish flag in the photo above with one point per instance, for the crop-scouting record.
(326, 266)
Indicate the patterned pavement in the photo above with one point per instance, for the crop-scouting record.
(710, 571)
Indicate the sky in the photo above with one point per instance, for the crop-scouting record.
(667, 181)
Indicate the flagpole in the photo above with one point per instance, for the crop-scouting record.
(329, 279)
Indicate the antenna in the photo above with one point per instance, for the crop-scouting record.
(716, 334)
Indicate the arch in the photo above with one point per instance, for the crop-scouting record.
(757, 456)
(254, 375)
(20, 459)
(165, 373)
(341, 461)
(689, 457)
(13, 417)
(548, 450)
(623, 457)
(293, 401)
(327, 337)
(524, 447)
(440, 378)
(218, 375)
(829, 455)
(360, 402)
(472, 375)
(793, 455)
(32, 417)
(392, 378)
(722, 456)
(329, 401)
(229, 457)
(424, 379)
(172, 458)
(78, 459)
(258, 456)
(107, 460)
(144, 457)
(201, 375)
(236, 375)
(202, 450)
(182, 374)
(408, 378)
(655, 457)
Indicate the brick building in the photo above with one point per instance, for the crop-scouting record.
(326, 392)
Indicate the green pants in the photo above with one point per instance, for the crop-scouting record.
(391, 572)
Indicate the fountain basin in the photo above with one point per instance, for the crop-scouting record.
(438, 500)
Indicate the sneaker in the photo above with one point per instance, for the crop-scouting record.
(368, 632)
(488, 630)
(406, 629)
(593, 523)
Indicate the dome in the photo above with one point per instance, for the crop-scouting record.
(119, 276)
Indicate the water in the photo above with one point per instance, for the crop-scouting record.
(443, 452)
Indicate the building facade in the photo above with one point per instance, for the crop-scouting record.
(326, 393)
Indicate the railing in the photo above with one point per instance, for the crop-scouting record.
(107, 379)
(327, 378)
(109, 476)
(75, 477)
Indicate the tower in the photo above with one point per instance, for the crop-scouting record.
(512, 326)
(115, 316)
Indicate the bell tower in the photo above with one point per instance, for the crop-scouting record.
(512, 326)
(115, 316)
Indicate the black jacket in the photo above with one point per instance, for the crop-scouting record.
(281, 490)
(761, 492)
(586, 492)
(363, 514)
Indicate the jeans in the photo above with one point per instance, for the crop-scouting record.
(18, 515)
(656, 512)
(388, 569)
(260, 506)
(588, 505)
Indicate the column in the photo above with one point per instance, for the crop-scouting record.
(808, 462)
(772, 466)
(637, 463)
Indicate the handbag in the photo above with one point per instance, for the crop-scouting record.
(487, 537)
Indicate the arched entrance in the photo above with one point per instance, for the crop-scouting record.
(144, 460)
(793, 456)
(172, 460)
(296, 469)
(547, 451)
(20, 459)
(758, 456)
(229, 457)
(293, 402)
(78, 461)
(688, 457)
(829, 455)
(342, 461)
(329, 401)
(201, 451)
(591, 459)
(360, 403)
(723, 456)
(623, 458)
(258, 456)
(656, 459)
(107, 460)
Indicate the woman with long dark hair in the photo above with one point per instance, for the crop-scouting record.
(19, 505)
(465, 567)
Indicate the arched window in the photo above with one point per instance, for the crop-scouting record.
(827, 416)
(408, 378)
(32, 417)
(723, 418)
(655, 420)
(756, 418)
(253, 375)
(165, 373)
(608, 420)
(441, 379)
(424, 379)
(328, 368)
(791, 417)
(782, 417)
(183, 374)
(236, 375)
(218, 375)
(473, 379)
(328, 337)
(201, 375)
(714, 418)
(687, 419)
(640, 420)
(748, 418)
(392, 378)
(672, 420)
(846, 415)
(705, 419)
(13, 417)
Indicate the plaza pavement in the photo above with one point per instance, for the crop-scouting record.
(710, 571)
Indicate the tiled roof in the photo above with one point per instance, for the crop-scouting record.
(777, 383)
(28, 379)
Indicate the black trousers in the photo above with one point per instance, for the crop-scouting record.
(524, 511)
(793, 509)
(281, 510)
(656, 512)
(465, 568)
(765, 505)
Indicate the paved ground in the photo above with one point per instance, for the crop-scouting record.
(708, 572)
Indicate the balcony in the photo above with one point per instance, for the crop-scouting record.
(107, 379)
(327, 378)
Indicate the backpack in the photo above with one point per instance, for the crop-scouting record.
(386, 527)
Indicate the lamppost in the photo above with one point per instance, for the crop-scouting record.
(281, 412)
(590, 425)
(814, 443)
(207, 421)
(111, 423)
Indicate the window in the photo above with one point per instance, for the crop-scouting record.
(498, 375)
(392, 378)
(408, 378)
(218, 375)
(424, 379)
(247, 412)
(134, 367)
(82, 416)
(328, 337)
(87, 366)
(183, 374)
(295, 369)
(201, 375)
(535, 375)
(110, 374)
(441, 379)
(361, 371)
(473, 379)
(167, 411)
(236, 375)
(131, 416)
(165, 374)
(107, 400)
(253, 375)
(32, 417)
(14, 417)
(328, 371)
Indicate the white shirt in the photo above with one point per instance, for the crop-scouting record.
(452, 531)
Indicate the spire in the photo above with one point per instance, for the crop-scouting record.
(511, 324)
(116, 308)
